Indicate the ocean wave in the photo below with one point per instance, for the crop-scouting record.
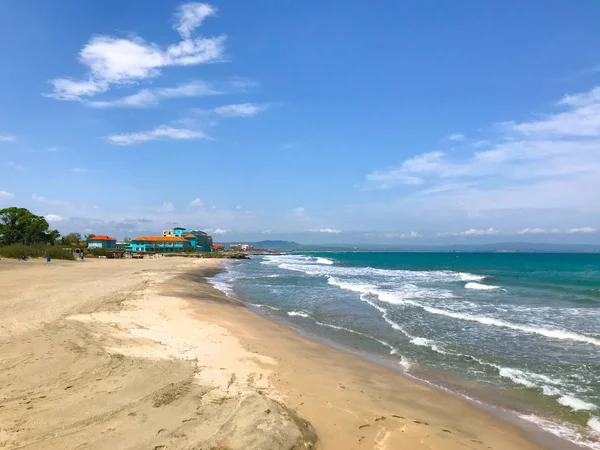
(393, 350)
(299, 314)
(594, 424)
(564, 431)
(324, 261)
(484, 320)
(479, 286)
(464, 276)
(576, 404)
(318, 267)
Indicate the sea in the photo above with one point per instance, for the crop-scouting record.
(517, 331)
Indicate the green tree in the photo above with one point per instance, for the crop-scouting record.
(21, 226)
(89, 236)
(71, 239)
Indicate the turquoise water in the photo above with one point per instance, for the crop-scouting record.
(518, 331)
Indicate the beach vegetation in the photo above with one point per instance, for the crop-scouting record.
(18, 251)
(21, 226)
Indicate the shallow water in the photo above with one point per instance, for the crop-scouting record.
(520, 331)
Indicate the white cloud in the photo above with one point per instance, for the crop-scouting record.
(299, 211)
(54, 218)
(190, 16)
(116, 61)
(220, 231)
(52, 149)
(5, 194)
(162, 132)
(326, 230)
(78, 170)
(168, 206)
(48, 201)
(533, 170)
(151, 97)
(532, 231)
(411, 235)
(196, 202)
(456, 137)
(7, 138)
(472, 232)
(582, 230)
(239, 110)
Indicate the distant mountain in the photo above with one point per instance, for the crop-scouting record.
(278, 245)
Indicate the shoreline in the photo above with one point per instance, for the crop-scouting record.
(148, 354)
(531, 429)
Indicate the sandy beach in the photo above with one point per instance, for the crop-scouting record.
(145, 354)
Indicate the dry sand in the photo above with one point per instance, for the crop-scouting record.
(144, 354)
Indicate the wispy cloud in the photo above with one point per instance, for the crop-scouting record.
(52, 149)
(582, 230)
(472, 232)
(54, 218)
(217, 231)
(532, 166)
(299, 211)
(48, 201)
(190, 16)
(162, 132)
(6, 194)
(196, 203)
(456, 137)
(411, 235)
(15, 166)
(326, 230)
(78, 170)
(151, 97)
(533, 231)
(239, 110)
(7, 138)
(116, 61)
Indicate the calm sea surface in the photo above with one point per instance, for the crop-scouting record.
(519, 331)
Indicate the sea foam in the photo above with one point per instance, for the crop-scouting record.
(479, 286)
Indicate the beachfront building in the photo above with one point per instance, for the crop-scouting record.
(241, 247)
(102, 242)
(160, 244)
(202, 242)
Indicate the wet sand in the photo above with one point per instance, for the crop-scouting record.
(128, 354)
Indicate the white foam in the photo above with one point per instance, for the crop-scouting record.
(324, 261)
(479, 286)
(275, 275)
(576, 404)
(470, 276)
(546, 332)
(594, 424)
(298, 313)
(563, 431)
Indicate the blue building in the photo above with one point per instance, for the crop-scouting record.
(160, 244)
(102, 242)
(202, 242)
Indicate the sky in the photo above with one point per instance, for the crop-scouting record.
(418, 122)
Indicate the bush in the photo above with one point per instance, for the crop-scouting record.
(35, 251)
(97, 251)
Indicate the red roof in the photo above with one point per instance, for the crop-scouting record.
(190, 236)
(216, 246)
(101, 238)
(160, 239)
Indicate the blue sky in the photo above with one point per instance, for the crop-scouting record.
(391, 122)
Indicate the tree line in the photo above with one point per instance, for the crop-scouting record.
(21, 226)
